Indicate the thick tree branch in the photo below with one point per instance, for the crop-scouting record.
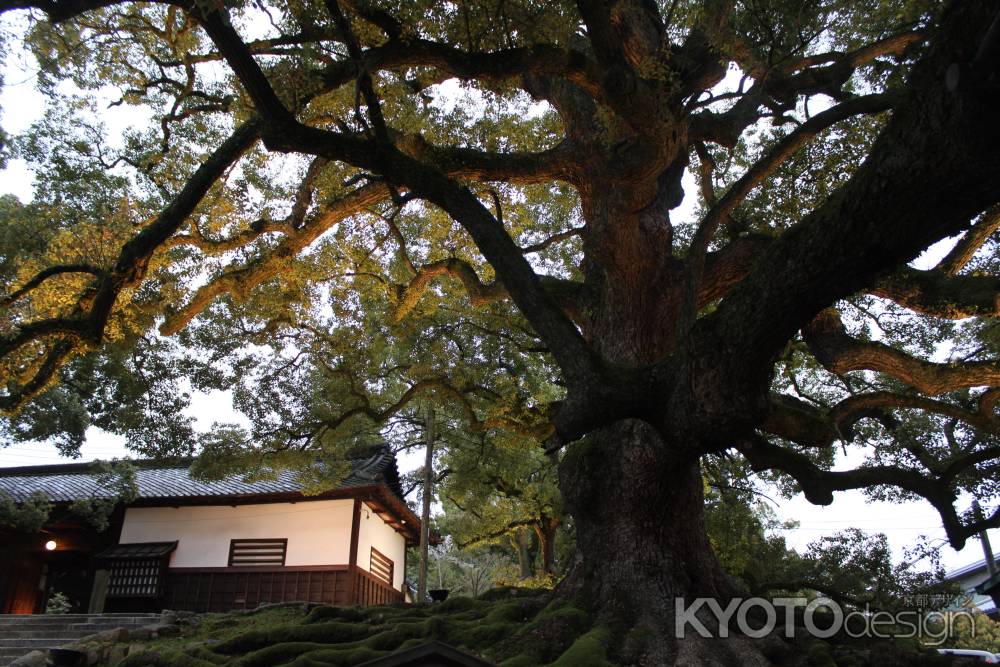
(479, 293)
(87, 327)
(942, 295)
(849, 411)
(725, 268)
(971, 241)
(50, 272)
(597, 18)
(364, 78)
(292, 222)
(839, 353)
(539, 59)
(776, 156)
(552, 240)
(783, 82)
(380, 18)
(38, 375)
(933, 292)
(942, 156)
(760, 170)
(284, 133)
(819, 485)
(800, 422)
(215, 21)
(240, 280)
(556, 163)
(489, 537)
(404, 53)
(442, 387)
(564, 292)
(57, 10)
(726, 128)
(301, 232)
(892, 45)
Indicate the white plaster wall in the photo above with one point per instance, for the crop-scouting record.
(374, 532)
(318, 531)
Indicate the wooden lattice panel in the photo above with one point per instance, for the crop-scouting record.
(381, 566)
(257, 552)
(135, 578)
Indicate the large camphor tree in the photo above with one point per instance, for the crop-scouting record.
(309, 175)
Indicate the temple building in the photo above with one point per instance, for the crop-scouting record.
(189, 544)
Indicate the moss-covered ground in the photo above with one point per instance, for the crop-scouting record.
(512, 628)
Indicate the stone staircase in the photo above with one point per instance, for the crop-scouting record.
(21, 634)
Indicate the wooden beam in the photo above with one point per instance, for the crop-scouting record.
(402, 585)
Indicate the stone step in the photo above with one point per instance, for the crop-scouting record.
(72, 631)
(104, 623)
(70, 618)
(21, 619)
(79, 621)
(8, 656)
(52, 622)
(63, 630)
(55, 629)
(31, 644)
(21, 634)
(80, 630)
(13, 652)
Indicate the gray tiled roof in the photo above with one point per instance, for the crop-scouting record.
(68, 482)
(137, 551)
(971, 568)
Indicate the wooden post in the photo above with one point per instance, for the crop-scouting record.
(98, 592)
(352, 564)
(425, 514)
(402, 586)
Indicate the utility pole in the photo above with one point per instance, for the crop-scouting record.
(989, 587)
(425, 514)
(991, 563)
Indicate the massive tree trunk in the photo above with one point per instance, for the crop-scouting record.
(639, 514)
(641, 544)
(637, 499)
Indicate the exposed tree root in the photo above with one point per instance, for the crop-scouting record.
(512, 628)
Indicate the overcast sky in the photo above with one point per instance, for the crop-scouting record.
(903, 524)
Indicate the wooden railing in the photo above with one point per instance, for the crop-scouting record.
(369, 589)
(228, 588)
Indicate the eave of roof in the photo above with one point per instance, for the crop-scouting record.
(968, 569)
(171, 481)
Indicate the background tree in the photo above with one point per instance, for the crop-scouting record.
(982, 634)
(467, 572)
(857, 570)
(503, 489)
(743, 530)
(831, 144)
